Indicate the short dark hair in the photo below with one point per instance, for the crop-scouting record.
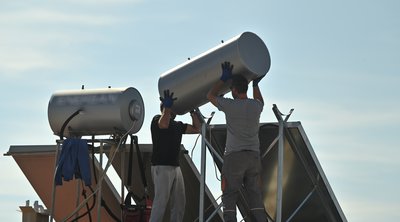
(240, 83)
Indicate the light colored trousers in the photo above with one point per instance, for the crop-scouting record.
(168, 186)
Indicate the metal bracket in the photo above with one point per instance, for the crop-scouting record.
(282, 125)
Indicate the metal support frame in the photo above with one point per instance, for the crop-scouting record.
(213, 151)
(53, 192)
(302, 204)
(281, 144)
(99, 182)
(205, 143)
(280, 139)
(123, 153)
(314, 180)
(202, 171)
(214, 213)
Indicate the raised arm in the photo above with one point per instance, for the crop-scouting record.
(226, 75)
(167, 102)
(196, 125)
(163, 122)
(256, 90)
(213, 93)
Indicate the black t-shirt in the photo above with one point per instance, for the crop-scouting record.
(166, 142)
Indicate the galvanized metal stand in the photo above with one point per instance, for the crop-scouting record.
(99, 182)
(281, 141)
(53, 192)
(204, 143)
(202, 170)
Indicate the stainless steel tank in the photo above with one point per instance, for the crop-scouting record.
(191, 81)
(102, 111)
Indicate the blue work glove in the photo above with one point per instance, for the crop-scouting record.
(256, 81)
(168, 99)
(226, 71)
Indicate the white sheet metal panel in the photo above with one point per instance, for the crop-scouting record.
(37, 164)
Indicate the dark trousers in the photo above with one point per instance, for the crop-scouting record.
(242, 168)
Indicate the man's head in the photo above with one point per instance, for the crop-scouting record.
(239, 85)
(173, 114)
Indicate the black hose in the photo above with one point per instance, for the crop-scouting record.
(61, 138)
(66, 123)
(94, 172)
(103, 203)
(89, 209)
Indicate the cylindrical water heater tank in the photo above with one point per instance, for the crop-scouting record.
(102, 111)
(191, 81)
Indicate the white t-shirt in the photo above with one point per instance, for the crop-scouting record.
(242, 120)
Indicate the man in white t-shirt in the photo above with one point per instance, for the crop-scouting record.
(242, 162)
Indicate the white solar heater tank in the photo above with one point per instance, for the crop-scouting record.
(102, 111)
(190, 81)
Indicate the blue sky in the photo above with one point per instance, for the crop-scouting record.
(335, 62)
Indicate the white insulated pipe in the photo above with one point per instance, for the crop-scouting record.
(191, 80)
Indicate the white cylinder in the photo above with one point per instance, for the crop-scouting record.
(191, 81)
(102, 111)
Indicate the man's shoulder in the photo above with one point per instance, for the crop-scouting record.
(158, 116)
(223, 100)
(155, 119)
(255, 104)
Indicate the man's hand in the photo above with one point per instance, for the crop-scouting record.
(256, 81)
(168, 99)
(226, 71)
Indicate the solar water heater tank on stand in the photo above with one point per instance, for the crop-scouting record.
(101, 111)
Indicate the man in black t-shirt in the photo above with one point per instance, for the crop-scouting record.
(166, 134)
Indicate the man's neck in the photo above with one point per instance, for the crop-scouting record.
(242, 96)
